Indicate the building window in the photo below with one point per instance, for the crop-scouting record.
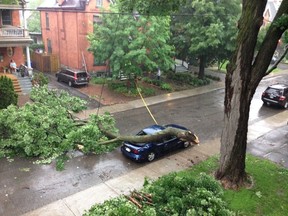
(49, 46)
(97, 20)
(99, 3)
(6, 17)
(47, 20)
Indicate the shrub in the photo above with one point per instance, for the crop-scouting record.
(147, 91)
(39, 79)
(171, 195)
(98, 80)
(36, 46)
(8, 95)
(187, 78)
(166, 87)
(216, 78)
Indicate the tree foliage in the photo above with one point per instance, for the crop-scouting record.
(150, 7)
(132, 43)
(47, 129)
(8, 95)
(206, 30)
(33, 23)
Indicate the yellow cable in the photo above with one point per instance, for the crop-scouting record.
(146, 104)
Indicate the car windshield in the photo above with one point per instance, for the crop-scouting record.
(274, 91)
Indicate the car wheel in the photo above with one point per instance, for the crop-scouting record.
(186, 144)
(58, 79)
(70, 83)
(151, 156)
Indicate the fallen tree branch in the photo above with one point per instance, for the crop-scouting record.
(181, 134)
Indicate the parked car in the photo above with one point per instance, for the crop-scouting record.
(149, 151)
(276, 94)
(73, 77)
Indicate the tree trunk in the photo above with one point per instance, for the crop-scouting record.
(183, 135)
(243, 77)
(202, 62)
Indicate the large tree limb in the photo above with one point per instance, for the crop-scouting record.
(181, 134)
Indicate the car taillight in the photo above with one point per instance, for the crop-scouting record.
(75, 76)
(135, 151)
(264, 93)
(282, 98)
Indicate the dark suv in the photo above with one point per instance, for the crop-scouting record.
(276, 94)
(73, 77)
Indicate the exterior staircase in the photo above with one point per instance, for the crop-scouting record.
(25, 83)
(17, 87)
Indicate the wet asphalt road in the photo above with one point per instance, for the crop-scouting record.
(29, 186)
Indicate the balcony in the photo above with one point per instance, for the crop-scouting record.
(11, 36)
(11, 32)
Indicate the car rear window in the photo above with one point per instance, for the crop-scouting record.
(274, 91)
(79, 75)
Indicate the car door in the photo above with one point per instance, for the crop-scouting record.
(171, 143)
(61, 75)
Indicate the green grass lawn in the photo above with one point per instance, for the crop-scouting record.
(268, 195)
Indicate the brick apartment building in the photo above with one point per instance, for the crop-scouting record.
(65, 25)
(13, 35)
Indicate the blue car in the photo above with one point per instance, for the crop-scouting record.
(149, 151)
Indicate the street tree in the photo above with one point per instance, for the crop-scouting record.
(243, 76)
(132, 43)
(244, 73)
(204, 31)
(33, 23)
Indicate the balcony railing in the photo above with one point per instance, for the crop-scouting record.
(13, 32)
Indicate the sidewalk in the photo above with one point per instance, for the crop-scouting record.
(76, 204)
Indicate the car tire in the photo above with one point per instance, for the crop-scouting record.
(70, 83)
(58, 79)
(186, 144)
(151, 156)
